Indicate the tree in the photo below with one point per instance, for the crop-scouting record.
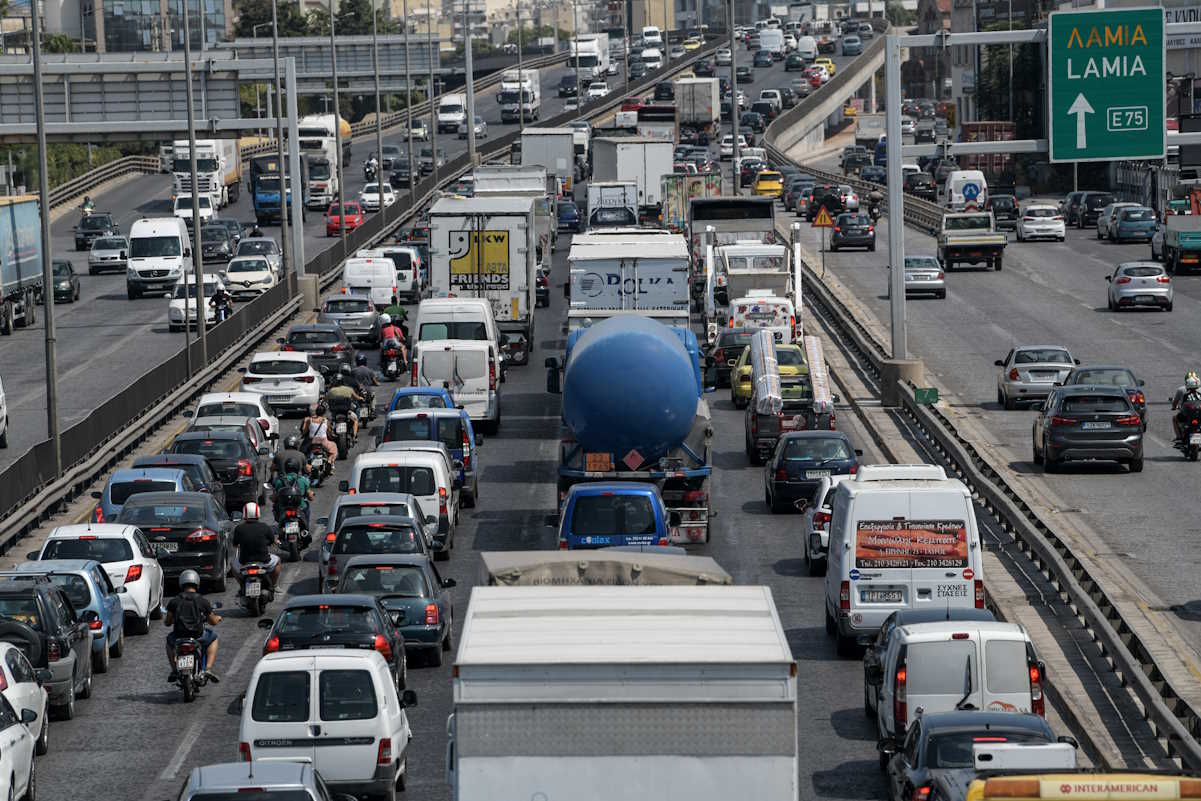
(317, 20)
(258, 12)
(354, 17)
(59, 43)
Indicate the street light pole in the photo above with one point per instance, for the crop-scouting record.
(197, 261)
(333, 59)
(470, 110)
(379, 131)
(734, 109)
(285, 251)
(575, 33)
(435, 60)
(258, 88)
(520, 74)
(408, 99)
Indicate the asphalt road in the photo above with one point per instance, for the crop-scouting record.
(1055, 293)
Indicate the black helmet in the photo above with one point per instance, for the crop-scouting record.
(322, 408)
(291, 465)
(292, 442)
(360, 359)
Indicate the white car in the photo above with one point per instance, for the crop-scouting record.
(237, 404)
(850, 200)
(183, 208)
(369, 197)
(571, 104)
(1041, 221)
(23, 690)
(181, 305)
(597, 89)
(248, 276)
(612, 68)
(816, 525)
(723, 57)
(481, 129)
(286, 378)
(421, 131)
(789, 42)
(725, 150)
(17, 757)
(908, 125)
(128, 558)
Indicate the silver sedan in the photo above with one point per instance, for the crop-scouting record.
(1030, 372)
(481, 129)
(108, 253)
(1140, 284)
(923, 276)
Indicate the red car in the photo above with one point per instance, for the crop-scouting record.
(349, 221)
(632, 104)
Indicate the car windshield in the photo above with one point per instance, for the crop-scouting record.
(257, 247)
(319, 619)
(568, 209)
(120, 491)
(1139, 215)
(613, 514)
(278, 367)
(816, 449)
(248, 266)
(95, 223)
(954, 750)
(61, 269)
(1098, 201)
(189, 290)
(1088, 404)
(211, 234)
(1115, 378)
(403, 581)
(734, 339)
(319, 171)
(109, 243)
(370, 509)
(1042, 356)
(210, 448)
(348, 306)
(23, 609)
(151, 515)
(109, 549)
(1043, 212)
(154, 247)
(378, 538)
(413, 480)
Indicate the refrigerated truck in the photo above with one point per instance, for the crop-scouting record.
(643, 161)
(21, 287)
(643, 272)
(512, 180)
(554, 149)
(590, 57)
(218, 170)
(698, 107)
(485, 247)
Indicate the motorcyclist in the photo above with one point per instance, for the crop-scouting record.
(293, 477)
(364, 378)
(343, 395)
(187, 614)
(370, 168)
(256, 231)
(875, 200)
(222, 303)
(316, 432)
(1188, 393)
(88, 205)
(396, 312)
(290, 450)
(389, 330)
(253, 538)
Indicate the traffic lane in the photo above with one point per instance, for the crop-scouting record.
(985, 314)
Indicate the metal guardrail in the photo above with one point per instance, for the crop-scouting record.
(28, 495)
(81, 185)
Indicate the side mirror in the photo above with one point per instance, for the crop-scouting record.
(187, 412)
(97, 494)
(265, 623)
(408, 698)
(553, 385)
(449, 582)
(264, 451)
(121, 589)
(28, 716)
(1109, 279)
(323, 521)
(281, 341)
(887, 746)
(1068, 739)
(1077, 361)
(999, 363)
(43, 675)
(90, 616)
(32, 556)
(1141, 382)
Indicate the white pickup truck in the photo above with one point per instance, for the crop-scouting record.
(970, 238)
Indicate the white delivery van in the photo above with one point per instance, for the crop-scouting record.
(902, 536)
(471, 370)
(160, 252)
(422, 474)
(408, 265)
(806, 46)
(652, 36)
(765, 310)
(336, 709)
(966, 190)
(456, 318)
(372, 275)
(452, 110)
(652, 57)
(956, 664)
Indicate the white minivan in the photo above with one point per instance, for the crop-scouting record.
(806, 47)
(762, 309)
(966, 190)
(160, 252)
(652, 36)
(335, 709)
(456, 318)
(374, 276)
(902, 536)
(471, 370)
(452, 110)
(422, 474)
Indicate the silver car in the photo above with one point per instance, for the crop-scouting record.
(355, 314)
(1030, 372)
(263, 246)
(481, 129)
(108, 253)
(923, 276)
(295, 780)
(1139, 284)
(421, 131)
(425, 159)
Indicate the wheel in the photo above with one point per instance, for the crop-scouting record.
(217, 583)
(868, 712)
(1019, 232)
(92, 271)
(845, 646)
(1049, 465)
(4, 438)
(67, 710)
(435, 657)
(255, 606)
(341, 442)
(86, 690)
(189, 689)
(941, 294)
(43, 742)
(1168, 307)
(831, 626)
(1192, 453)
(100, 661)
(141, 625)
(1038, 456)
(447, 642)
(1136, 465)
(817, 567)
(293, 552)
(1009, 403)
(132, 293)
(468, 501)
(117, 649)
(996, 265)
(1061, 238)
(1109, 302)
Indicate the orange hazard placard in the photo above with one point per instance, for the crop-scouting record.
(910, 543)
(822, 220)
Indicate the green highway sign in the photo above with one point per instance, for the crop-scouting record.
(1106, 84)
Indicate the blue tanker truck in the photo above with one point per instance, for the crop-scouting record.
(634, 410)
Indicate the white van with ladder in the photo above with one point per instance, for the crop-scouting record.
(902, 536)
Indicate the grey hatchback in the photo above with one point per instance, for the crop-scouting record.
(290, 780)
(1088, 422)
(355, 314)
(853, 230)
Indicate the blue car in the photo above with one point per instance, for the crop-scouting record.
(123, 484)
(421, 398)
(89, 589)
(602, 515)
(569, 216)
(451, 427)
(1134, 225)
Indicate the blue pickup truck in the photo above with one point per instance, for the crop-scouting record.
(614, 513)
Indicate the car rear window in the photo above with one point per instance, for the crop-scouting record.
(346, 695)
(120, 491)
(281, 697)
(227, 409)
(1042, 356)
(409, 428)
(211, 448)
(278, 367)
(419, 401)
(347, 511)
(1040, 212)
(1002, 203)
(1088, 404)
(790, 357)
(1005, 666)
(940, 668)
(253, 794)
(815, 449)
(1138, 214)
(161, 515)
(23, 609)
(1116, 378)
(1098, 201)
(377, 538)
(102, 550)
(731, 338)
(613, 514)
(401, 581)
(74, 587)
(464, 329)
(1142, 271)
(312, 337)
(319, 619)
(955, 750)
(413, 480)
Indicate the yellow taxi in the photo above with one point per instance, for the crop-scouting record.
(849, 110)
(692, 43)
(827, 62)
(769, 183)
(790, 358)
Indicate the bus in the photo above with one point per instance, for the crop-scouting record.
(1087, 786)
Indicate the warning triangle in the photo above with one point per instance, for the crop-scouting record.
(822, 220)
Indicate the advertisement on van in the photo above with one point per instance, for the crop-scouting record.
(479, 259)
(904, 543)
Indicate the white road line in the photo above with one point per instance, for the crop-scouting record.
(181, 753)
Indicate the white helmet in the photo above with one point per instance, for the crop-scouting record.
(250, 511)
(1191, 381)
(385, 319)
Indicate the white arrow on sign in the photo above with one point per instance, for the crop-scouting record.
(1080, 106)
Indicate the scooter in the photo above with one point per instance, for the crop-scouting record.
(370, 170)
(294, 534)
(257, 588)
(319, 466)
(343, 432)
(190, 665)
(1190, 431)
(390, 361)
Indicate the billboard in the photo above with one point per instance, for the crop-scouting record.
(902, 543)
(479, 260)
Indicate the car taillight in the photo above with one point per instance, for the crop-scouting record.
(1129, 420)
(53, 652)
(1124, 279)
(331, 567)
(941, 275)
(442, 510)
(466, 452)
(781, 474)
(1162, 279)
(264, 423)
(900, 704)
(98, 515)
(338, 348)
(844, 596)
(821, 519)
(384, 755)
(854, 467)
(562, 544)
(1037, 704)
(202, 535)
(978, 584)
(133, 573)
(244, 750)
(306, 379)
(921, 793)
(382, 645)
(431, 614)
(413, 377)
(271, 646)
(491, 373)
(1013, 374)
(1062, 421)
(250, 379)
(1058, 218)
(245, 468)
(289, 348)
(1136, 396)
(871, 229)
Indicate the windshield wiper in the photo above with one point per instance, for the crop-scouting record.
(967, 685)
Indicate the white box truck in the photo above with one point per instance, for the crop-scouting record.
(513, 180)
(218, 170)
(554, 149)
(581, 693)
(698, 107)
(520, 93)
(484, 247)
(628, 272)
(590, 56)
(612, 203)
(642, 161)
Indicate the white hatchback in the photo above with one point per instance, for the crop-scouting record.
(182, 307)
(369, 197)
(237, 404)
(128, 558)
(17, 757)
(286, 378)
(22, 686)
(598, 89)
(1041, 221)
(248, 276)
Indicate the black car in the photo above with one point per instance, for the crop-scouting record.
(568, 216)
(939, 742)
(215, 244)
(568, 87)
(788, 98)
(338, 621)
(794, 61)
(1071, 208)
(241, 469)
(921, 184)
(1005, 211)
(799, 462)
(794, 187)
(827, 196)
(925, 132)
(38, 617)
(874, 174)
(66, 282)
(765, 109)
(704, 68)
(637, 70)
(95, 225)
(726, 350)
(401, 175)
(1088, 422)
(744, 74)
(1091, 204)
(853, 230)
(327, 345)
(191, 529)
(1116, 376)
(195, 465)
(753, 120)
(762, 59)
(725, 111)
(748, 169)
(665, 90)
(231, 226)
(372, 534)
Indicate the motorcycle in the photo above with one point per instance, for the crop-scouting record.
(343, 431)
(390, 361)
(257, 588)
(87, 209)
(294, 534)
(190, 665)
(874, 211)
(1189, 423)
(319, 466)
(370, 170)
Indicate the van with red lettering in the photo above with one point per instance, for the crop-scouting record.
(901, 537)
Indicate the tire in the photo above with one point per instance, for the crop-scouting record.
(1050, 465)
(1192, 453)
(100, 662)
(189, 689)
(1136, 465)
(845, 646)
(31, 792)
(1168, 308)
(941, 295)
(996, 265)
(141, 625)
(132, 293)
(435, 657)
(1061, 238)
(1038, 456)
(868, 712)
(4, 438)
(1109, 303)
(817, 567)
(117, 649)
(217, 583)
(86, 691)
(67, 711)
(293, 552)
(341, 442)
(448, 641)
(831, 626)
(1010, 404)
(42, 745)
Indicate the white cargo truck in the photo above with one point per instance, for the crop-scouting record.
(698, 107)
(317, 141)
(612, 203)
(590, 56)
(554, 149)
(642, 161)
(218, 170)
(520, 93)
(484, 247)
(509, 180)
(548, 703)
(628, 271)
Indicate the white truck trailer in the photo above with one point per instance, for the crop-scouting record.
(622, 271)
(218, 170)
(509, 180)
(590, 57)
(612, 203)
(520, 93)
(549, 703)
(643, 161)
(698, 107)
(554, 149)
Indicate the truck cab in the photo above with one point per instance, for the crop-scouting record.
(614, 514)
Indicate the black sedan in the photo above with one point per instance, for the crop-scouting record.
(748, 169)
(794, 61)
(827, 196)
(762, 59)
(241, 469)
(568, 87)
(338, 621)
(921, 184)
(191, 529)
(704, 68)
(744, 74)
(374, 535)
(215, 243)
(94, 226)
(66, 282)
(801, 460)
(726, 350)
(327, 345)
(853, 230)
(401, 175)
(752, 120)
(874, 174)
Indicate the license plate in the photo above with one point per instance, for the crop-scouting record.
(817, 473)
(291, 527)
(279, 398)
(169, 547)
(253, 589)
(951, 591)
(318, 461)
(392, 365)
(880, 596)
(1096, 425)
(1143, 299)
(185, 662)
(1194, 439)
(340, 428)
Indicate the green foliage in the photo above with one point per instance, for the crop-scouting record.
(993, 87)
(63, 160)
(899, 15)
(59, 43)
(258, 12)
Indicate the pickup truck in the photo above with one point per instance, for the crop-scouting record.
(1181, 243)
(970, 238)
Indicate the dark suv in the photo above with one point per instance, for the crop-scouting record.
(241, 469)
(1091, 204)
(921, 184)
(94, 226)
(1004, 210)
(326, 344)
(568, 87)
(664, 90)
(38, 618)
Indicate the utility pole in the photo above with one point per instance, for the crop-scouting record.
(575, 33)
(379, 132)
(39, 97)
(520, 74)
(435, 60)
(472, 156)
(333, 60)
(197, 261)
(734, 109)
(287, 256)
(408, 100)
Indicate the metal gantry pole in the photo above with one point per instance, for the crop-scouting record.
(408, 100)
(896, 210)
(472, 156)
(52, 429)
(734, 109)
(197, 261)
(435, 60)
(575, 33)
(520, 74)
(379, 131)
(285, 251)
(333, 59)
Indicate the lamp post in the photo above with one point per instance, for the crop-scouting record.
(734, 109)
(408, 98)
(435, 58)
(285, 251)
(575, 33)
(470, 110)
(257, 87)
(197, 261)
(333, 59)
(520, 75)
(379, 131)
